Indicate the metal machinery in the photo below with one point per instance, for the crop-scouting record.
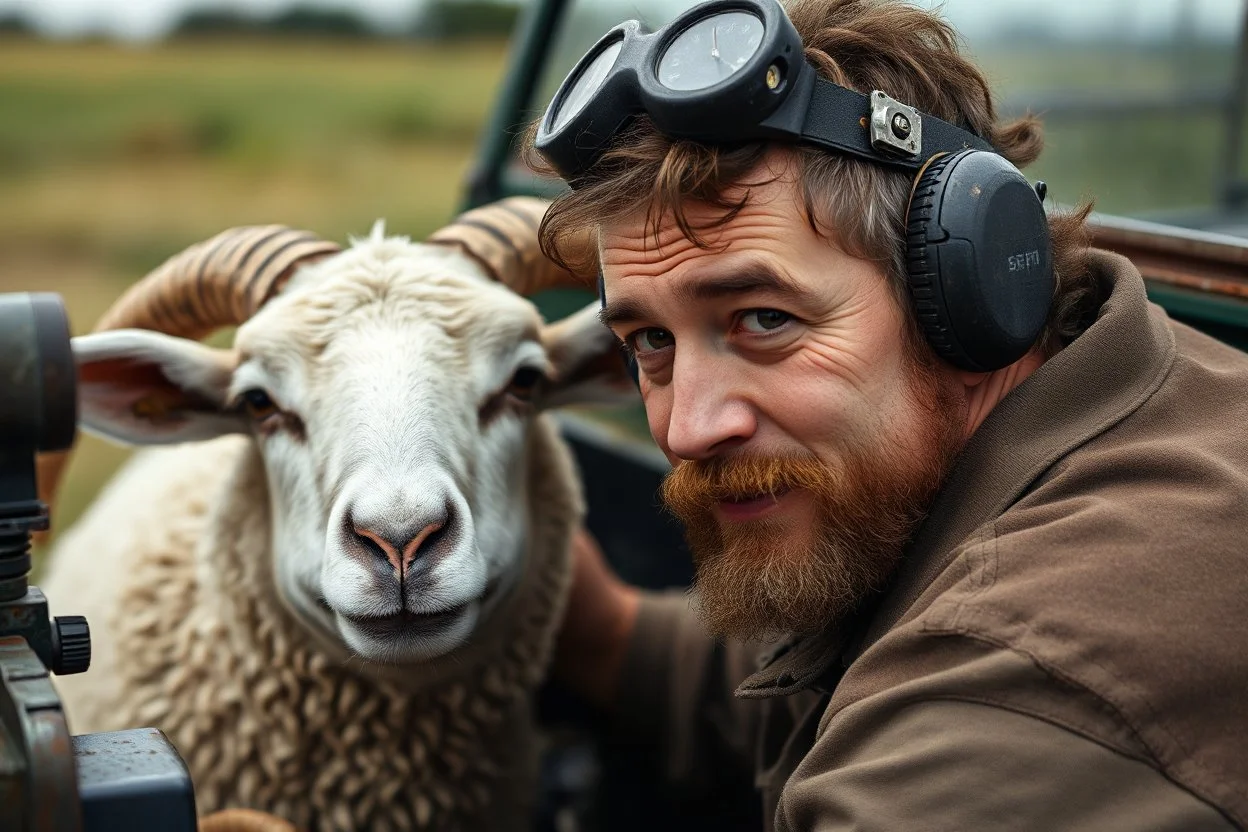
(50, 781)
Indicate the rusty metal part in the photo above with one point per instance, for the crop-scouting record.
(38, 781)
(1213, 264)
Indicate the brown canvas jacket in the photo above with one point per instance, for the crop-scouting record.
(1064, 647)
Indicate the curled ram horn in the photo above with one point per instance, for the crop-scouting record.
(502, 237)
(217, 283)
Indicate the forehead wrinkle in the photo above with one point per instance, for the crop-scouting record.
(622, 262)
(635, 245)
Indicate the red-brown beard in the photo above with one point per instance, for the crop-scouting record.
(762, 578)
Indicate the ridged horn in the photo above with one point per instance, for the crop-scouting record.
(502, 237)
(217, 283)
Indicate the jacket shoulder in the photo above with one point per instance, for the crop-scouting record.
(1123, 575)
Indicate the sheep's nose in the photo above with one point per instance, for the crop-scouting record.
(400, 543)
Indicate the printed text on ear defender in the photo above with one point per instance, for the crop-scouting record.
(1024, 262)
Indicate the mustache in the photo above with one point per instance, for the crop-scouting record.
(694, 486)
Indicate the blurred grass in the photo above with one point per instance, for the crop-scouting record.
(112, 158)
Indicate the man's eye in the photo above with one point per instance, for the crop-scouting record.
(764, 320)
(651, 340)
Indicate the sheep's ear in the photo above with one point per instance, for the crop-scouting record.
(588, 362)
(145, 388)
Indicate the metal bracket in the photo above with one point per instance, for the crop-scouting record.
(895, 128)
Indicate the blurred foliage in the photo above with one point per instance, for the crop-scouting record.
(14, 24)
(167, 142)
(458, 19)
(297, 20)
(439, 20)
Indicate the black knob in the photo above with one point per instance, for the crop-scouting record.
(71, 645)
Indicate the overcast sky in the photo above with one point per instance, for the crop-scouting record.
(144, 19)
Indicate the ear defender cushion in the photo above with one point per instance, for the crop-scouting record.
(978, 258)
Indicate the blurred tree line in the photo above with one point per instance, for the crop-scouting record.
(14, 25)
(436, 20)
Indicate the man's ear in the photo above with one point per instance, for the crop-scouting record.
(589, 366)
(145, 388)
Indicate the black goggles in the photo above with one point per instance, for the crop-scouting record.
(729, 71)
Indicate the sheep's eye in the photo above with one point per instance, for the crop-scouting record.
(258, 404)
(524, 383)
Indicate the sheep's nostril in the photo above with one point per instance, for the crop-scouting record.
(372, 546)
(399, 544)
(421, 543)
(377, 546)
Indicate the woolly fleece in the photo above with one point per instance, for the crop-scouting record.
(171, 566)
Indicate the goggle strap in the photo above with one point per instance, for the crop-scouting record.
(828, 124)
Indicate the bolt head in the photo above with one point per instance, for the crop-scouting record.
(901, 126)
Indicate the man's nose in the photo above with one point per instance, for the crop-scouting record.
(707, 417)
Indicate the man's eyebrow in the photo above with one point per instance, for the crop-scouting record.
(754, 277)
(618, 312)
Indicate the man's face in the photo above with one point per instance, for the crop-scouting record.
(806, 437)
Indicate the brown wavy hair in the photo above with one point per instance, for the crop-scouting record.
(909, 53)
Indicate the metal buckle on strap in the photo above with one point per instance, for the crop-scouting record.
(895, 128)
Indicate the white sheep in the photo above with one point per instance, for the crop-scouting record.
(338, 596)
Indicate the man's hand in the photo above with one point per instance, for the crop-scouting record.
(597, 625)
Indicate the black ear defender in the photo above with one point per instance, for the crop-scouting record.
(978, 259)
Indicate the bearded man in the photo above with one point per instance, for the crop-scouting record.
(1000, 586)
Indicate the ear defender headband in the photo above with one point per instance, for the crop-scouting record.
(978, 258)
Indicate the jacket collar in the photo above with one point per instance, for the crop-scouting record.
(1091, 385)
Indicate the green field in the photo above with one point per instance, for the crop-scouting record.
(113, 157)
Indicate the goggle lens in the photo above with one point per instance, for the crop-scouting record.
(711, 50)
(586, 85)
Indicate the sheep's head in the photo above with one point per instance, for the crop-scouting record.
(390, 389)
